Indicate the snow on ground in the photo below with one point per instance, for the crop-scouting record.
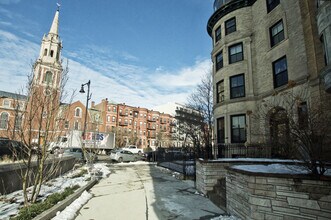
(267, 160)
(139, 162)
(70, 211)
(225, 217)
(276, 168)
(10, 203)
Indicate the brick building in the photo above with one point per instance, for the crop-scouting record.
(262, 48)
(136, 125)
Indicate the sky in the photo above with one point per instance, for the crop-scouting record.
(143, 53)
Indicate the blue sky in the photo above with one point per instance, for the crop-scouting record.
(139, 52)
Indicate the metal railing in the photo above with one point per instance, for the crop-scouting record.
(243, 151)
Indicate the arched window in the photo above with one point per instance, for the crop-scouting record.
(78, 112)
(49, 77)
(45, 52)
(4, 120)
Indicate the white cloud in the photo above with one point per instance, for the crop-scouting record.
(185, 77)
(122, 82)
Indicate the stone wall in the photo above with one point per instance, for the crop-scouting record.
(208, 173)
(266, 196)
(11, 174)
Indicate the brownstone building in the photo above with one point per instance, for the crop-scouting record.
(136, 125)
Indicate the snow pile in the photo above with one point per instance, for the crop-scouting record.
(10, 203)
(274, 168)
(70, 211)
(225, 217)
(100, 168)
(133, 163)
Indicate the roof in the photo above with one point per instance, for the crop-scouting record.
(4, 94)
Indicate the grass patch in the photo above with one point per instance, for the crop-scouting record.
(31, 211)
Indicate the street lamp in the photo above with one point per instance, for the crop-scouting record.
(88, 97)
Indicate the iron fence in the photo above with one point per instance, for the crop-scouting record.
(243, 151)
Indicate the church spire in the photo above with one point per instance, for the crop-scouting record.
(55, 25)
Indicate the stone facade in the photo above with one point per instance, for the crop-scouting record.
(255, 196)
(324, 30)
(300, 47)
(250, 195)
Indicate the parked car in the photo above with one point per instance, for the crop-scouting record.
(134, 149)
(75, 152)
(123, 156)
(11, 148)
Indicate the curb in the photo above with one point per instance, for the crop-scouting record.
(50, 213)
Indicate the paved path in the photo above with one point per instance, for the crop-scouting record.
(145, 192)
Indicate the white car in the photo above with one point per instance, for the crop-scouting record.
(123, 156)
(134, 149)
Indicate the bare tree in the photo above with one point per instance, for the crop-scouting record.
(297, 124)
(201, 100)
(38, 122)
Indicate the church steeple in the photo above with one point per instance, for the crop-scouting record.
(48, 67)
(55, 25)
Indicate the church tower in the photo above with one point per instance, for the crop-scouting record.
(48, 68)
(45, 86)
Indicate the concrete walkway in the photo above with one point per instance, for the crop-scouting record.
(143, 191)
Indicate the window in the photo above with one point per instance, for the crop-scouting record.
(52, 53)
(48, 77)
(78, 112)
(66, 124)
(238, 132)
(114, 109)
(303, 115)
(280, 72)
(220, 91)
(237, 86)
(230, 26)
(236, 53)
(45, 52)
(113, 119)
(6, 103)
(218, 34)
(271, 4)
(109, 108)
(4, 120)
(219, 60)
(324, 50)
(108, 118)
(18, 121)
(277, 33)
(76, 125)
(220, 130)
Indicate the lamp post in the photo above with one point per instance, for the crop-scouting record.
(88, 97)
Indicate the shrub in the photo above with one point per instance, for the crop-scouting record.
(31, 211)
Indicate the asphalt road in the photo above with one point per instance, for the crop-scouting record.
(144, 191)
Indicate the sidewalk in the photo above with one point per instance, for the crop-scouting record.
(143, 191)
